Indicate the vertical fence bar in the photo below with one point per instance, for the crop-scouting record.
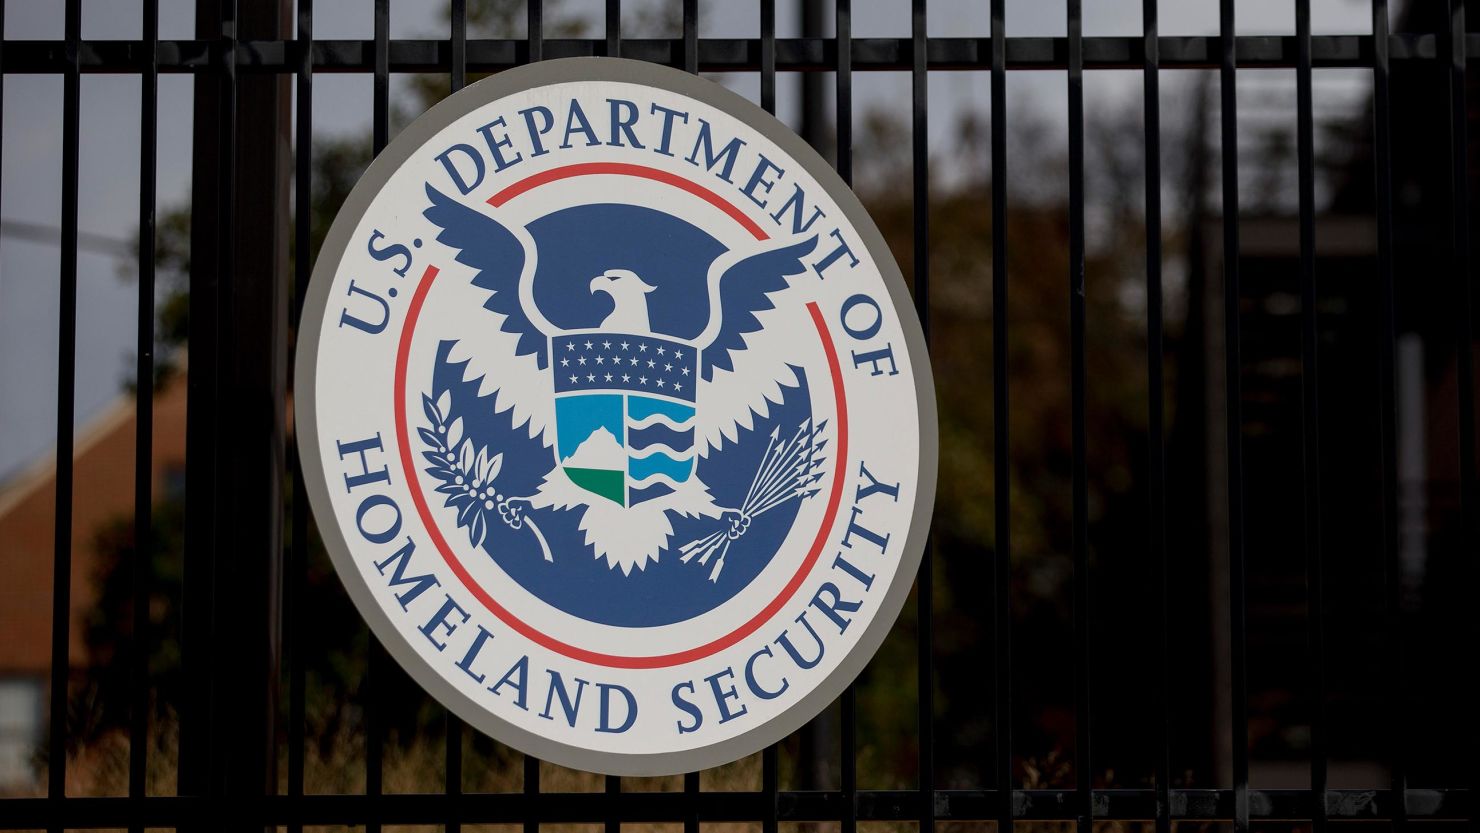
(1001, 464)
(613, 788)
(453, 775)
(1228, 143)
(614, 50)
(691, 782)
(1387, 413)
(770, 789)
(1310, 413)
(297, 570)
(382, 84)
(1155, 405)
(535, 29)
(454, 769)
(843, 148)
(381, 666)
(768, 56)
(212, 266)
(535, 32)
(144, 414)
(2, 84)
(1469, 485)
(61, 590)
(843, 90)
(458, 12)
(925, 592)
(691, 799)
(691, 36)
(225, 252)
(1083, 763)
(253, 438)
(248, 443)
(614, 28)
(770, 758)
(2, 101)
(531, 791)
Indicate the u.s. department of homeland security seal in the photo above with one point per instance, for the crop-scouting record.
(616, 417)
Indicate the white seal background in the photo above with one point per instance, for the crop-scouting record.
(344, 392)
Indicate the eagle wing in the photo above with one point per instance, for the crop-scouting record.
(505, 260)
(746, 359)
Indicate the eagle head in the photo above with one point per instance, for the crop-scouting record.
(629, 300)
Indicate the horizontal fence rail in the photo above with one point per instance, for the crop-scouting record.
(720, 54)
(636, 807)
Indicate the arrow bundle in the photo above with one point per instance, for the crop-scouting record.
(788, 470)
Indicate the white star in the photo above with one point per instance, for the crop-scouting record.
(667, 367)
(606, 345)
(686, 371)
(600, 360)
(570, 345)
(588, 345)
(626, 378)
(565, 362)
(642, 380)
(652, 363)
(677, 354)
(582, 359)
(642, 347)
(624, 345)
(660, 351)
(608, 377)
(572, 380)
(678, 385)
(660, 383)
(590, 377)
(634, 361)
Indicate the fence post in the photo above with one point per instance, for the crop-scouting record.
(235, 442)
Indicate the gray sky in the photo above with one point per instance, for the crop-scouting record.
(30, 169)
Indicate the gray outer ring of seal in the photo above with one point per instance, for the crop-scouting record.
(373, 181)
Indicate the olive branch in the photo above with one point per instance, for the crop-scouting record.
(467, 472)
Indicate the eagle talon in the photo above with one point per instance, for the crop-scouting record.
(512, 510)
(738, 523)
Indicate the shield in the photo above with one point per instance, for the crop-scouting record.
(624, 412)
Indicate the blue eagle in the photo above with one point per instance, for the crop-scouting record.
(626, 408)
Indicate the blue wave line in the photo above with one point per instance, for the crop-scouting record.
(641, 407)
(659, 464)
(640, 438)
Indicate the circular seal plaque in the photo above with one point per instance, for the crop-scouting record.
(616, 418)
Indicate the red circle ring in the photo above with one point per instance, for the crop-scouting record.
(403, 352)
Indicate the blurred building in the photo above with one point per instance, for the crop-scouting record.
(103, 493)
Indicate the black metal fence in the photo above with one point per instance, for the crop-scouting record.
(238, 625)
